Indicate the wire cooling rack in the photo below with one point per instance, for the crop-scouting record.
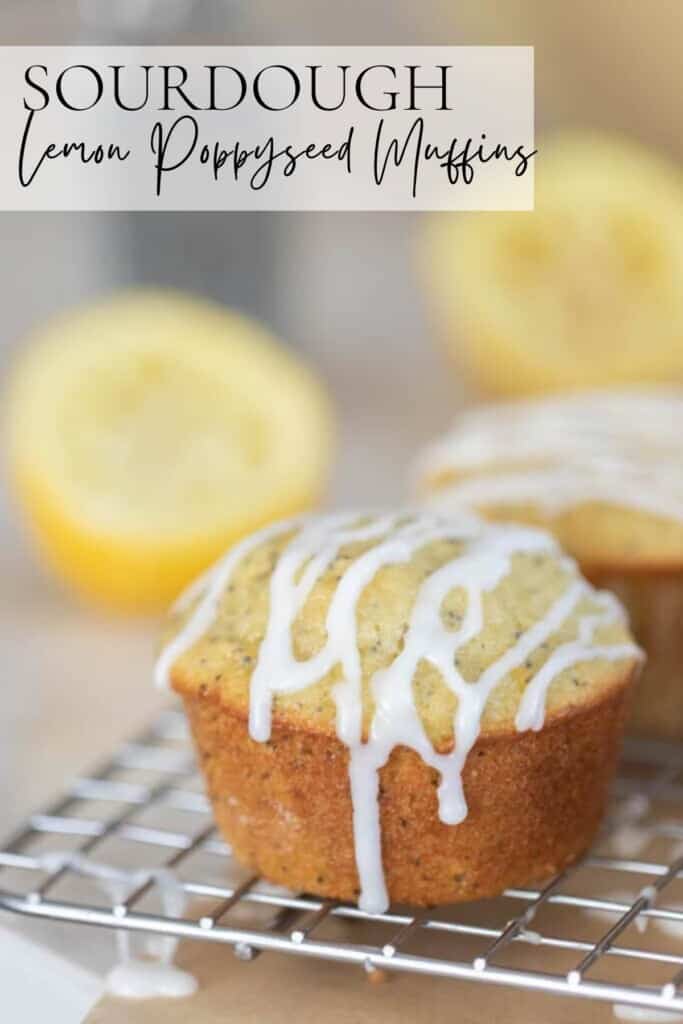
(144, 809)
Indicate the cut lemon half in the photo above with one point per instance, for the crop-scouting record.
(150, 431)
(585, 291)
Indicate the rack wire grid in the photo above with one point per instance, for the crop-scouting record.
(587, 941)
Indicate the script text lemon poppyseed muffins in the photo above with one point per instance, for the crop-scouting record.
(412, 707)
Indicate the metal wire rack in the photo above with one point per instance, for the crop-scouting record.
(144, 809)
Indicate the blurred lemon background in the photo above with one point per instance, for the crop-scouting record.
(172, 380)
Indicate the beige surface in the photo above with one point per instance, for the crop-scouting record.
(277, 989)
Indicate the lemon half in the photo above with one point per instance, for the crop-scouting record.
(150, 431)
(585, 291)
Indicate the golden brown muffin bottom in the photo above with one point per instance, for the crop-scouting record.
(535, 802)
(654, 601)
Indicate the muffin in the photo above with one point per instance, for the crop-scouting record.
(604, 472)
(412, 707)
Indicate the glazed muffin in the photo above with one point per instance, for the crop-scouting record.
(408, 707)
(604, 472)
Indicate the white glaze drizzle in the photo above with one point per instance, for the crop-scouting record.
(621, 448)
(207, 591)
(645, 1014)
(150, 979)
(532, 705)
(133, 977)
(481, 565)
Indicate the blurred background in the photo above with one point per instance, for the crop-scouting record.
(348, 292)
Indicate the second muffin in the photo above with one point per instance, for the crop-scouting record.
(603, 471)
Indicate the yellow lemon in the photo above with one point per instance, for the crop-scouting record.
(586, 290)
(151, 430)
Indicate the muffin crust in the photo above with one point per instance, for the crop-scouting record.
(535, 801)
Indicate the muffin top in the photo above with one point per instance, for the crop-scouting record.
(602, 470)
(409, 627)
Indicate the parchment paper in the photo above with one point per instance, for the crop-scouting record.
(281, 989)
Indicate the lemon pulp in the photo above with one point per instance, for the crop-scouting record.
(150, 431)
(584, 291)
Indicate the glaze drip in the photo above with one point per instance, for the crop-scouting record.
(620, 448)
(134, 977)
(483, 561)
